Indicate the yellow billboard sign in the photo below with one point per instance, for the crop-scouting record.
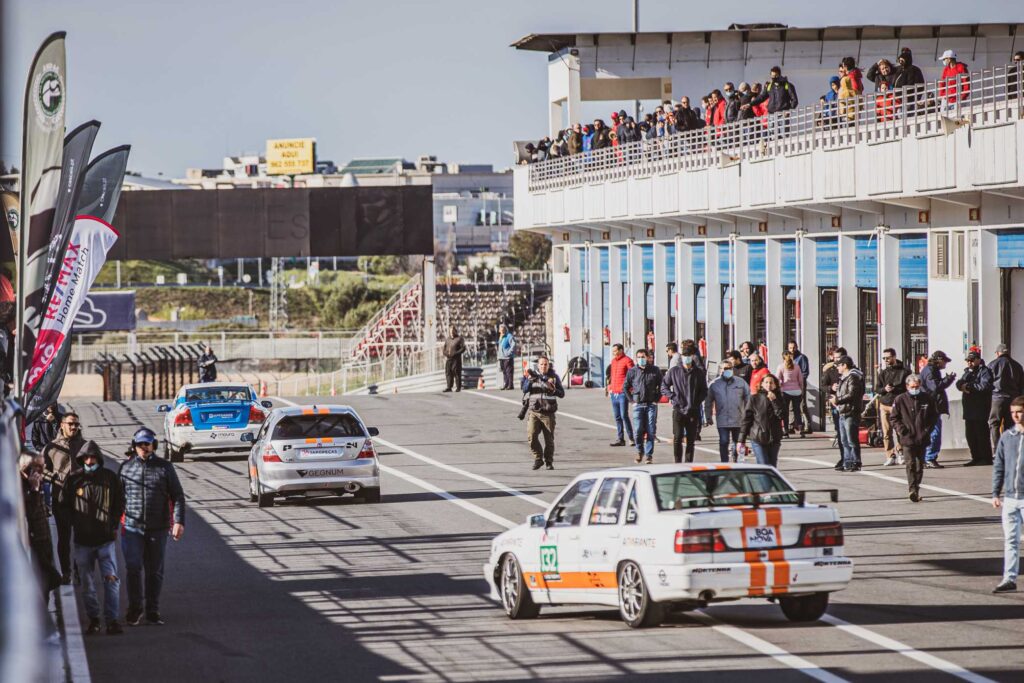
(291, 157)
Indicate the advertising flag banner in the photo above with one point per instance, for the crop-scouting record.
(102, 185)
(41, 156)
(12, 214)
(90, 240)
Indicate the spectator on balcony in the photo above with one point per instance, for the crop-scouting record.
(717, 108)
(881, 72)
(454, 347)
(851, 87)
(574, 140)
(1013, 74)
(830, 102)
(740, 104)
(779, 94)
(955, 78)
(886, 103)
(601, 138)
(686, 117)
(907, 74)
(706, 118)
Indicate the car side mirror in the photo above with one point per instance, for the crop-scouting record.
(248, 437)
(537, 521)
(163, 408)
(267, 404)
(372, 431)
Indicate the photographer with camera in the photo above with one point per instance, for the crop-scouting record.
(540, 389)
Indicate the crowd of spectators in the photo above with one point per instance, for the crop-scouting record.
(843, 99)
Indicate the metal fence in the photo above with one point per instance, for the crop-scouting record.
(983, 98)
(227, 346)
(155, 373)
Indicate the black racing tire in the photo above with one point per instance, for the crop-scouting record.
(803, 608)
(263, 500)
(175, 455)
(513, 592)
(370, 494)
(636, 606)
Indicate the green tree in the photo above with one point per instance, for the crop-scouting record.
(532, 249)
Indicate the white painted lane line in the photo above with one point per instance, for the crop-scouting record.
(766, 648)
(465, 473)
(906, 650)
(903, 482)
(451, 498)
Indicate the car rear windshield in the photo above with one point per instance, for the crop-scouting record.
(682, 490)
(211, 394)
(318, 426)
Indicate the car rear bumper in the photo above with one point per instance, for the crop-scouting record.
(212, 439)
(317, 476)
(748, 579)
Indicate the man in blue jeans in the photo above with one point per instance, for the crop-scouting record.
(643, 388)
(154, 506)
(615, 378)
(935, 384)
(1008, 482)
(727, 399)
(93, 500)
(849, 402)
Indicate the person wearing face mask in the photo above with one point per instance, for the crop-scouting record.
(643, 389)
(93, 499)
(60, 457)
(913, 416)
(686, 386)
(726, 401)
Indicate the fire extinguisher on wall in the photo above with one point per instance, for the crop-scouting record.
(565, 332)
(607, 336)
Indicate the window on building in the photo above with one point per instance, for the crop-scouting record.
(758, 315)
(915, 328)
(790, 306)
(828, 337)
(728, 323)
(700, 309)
(868, 325)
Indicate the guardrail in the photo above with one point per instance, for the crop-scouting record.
(982, 98)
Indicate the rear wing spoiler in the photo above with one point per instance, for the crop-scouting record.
(726, 500)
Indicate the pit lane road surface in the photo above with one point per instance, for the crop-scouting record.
(332, 588)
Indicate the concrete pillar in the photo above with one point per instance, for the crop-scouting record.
(773, 300)
(575, 304)
(809, 324)
(849, 331)
(429, 307)
(890, 296)
(686, 317)
(636, 295)
(948, 325)
(989, 294)
(661, 304)
(614, 296)
(593, 351)
(713, 302)
(741, 291)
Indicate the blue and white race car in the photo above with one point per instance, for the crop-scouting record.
(212, 417)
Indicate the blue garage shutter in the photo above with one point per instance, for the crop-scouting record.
(697, 264)
(647, 262)
(1010, 248)
(866, 262)
(914, 262)
(602, 258)
(788, 275)
(623, 264)
(724, 251)
(826, 263)
(755, 263)
(670, 262)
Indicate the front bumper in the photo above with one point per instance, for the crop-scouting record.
(212, 439)
(298, 477)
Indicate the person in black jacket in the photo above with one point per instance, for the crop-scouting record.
(154, 506)
(46, 428)
(849, 402)
(541, 390)
(643, 388)
(976, 386)
(686, 386)
(881, 72)
(762, 422)
(208, 365)
(94, 501)
(890, 383)
(908, 75)
(32, 468)
(914, 417)
(935, 384)
(454, 347)
(1007, 384)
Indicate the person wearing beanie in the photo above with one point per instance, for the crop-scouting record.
(93, 500)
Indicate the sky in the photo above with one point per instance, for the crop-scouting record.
(189, 82)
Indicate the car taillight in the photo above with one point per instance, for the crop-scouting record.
(270, 455)
(183, 419)
(699, 541)
(256, 415)
(367, 450)
(822, 535)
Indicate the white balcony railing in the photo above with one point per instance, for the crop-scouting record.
(988, 97)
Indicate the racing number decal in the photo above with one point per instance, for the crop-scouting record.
(549, 559)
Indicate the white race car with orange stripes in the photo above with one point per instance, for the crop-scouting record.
(649, 539)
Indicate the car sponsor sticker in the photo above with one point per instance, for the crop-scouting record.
(222, 435)
(549, 559)
(761, 537)
(222, 416)
(320, 452)
(323, 472)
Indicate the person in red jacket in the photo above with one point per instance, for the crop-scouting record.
(758, 370)
(615, 376)
(952, 72)
(717, 108)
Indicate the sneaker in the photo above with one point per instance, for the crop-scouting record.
(639, 458)
(550, 466)
(915, 497)
(114, 629)
(445, 391)
(537, 464)
(153, 619)
(890, 461)
(839, 468)
(900, 460)
(93, 628)
(934, 465)
(649, 460)
(620, 442)
(852, 468)
(133, 617)
(632, 444)
(1006, 586)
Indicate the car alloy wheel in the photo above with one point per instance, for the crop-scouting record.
(636, 607)
(515, 596)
